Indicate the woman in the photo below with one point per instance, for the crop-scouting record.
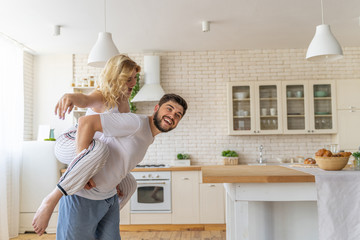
(116, 83)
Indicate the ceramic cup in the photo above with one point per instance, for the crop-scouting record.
(272, 111)
(299, 94)
(246, 113)
(289, 94)
(264, 111)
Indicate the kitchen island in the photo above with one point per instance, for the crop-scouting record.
(267, 202)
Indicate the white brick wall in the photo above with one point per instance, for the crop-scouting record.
(201, 77)
(28, 95)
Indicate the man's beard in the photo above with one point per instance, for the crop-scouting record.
(157, 122)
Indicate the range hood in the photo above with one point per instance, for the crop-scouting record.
(151, 91)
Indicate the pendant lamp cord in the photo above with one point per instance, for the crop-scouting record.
(105, 15)
(322, 12)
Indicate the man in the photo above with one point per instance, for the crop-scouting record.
(94, 213)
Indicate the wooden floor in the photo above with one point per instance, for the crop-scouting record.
(174, 235)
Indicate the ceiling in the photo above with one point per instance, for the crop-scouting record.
(169, 25)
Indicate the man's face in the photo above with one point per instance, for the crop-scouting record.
(167, 116)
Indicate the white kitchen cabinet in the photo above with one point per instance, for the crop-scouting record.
(348, 105)
(185, 197)
(40, 172)
(125, 214)
(254, 108)
(309, 107)
(348, 94)
(212, 203)
(348, 130)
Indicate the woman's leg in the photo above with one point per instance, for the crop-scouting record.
(83, 167)
(127, 186)
(65, 146)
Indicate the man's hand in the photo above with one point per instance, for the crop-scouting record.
(91, 184)
(119, 192)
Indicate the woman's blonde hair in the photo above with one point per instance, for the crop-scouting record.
(114, 77)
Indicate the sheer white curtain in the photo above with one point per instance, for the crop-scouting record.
(11, 135)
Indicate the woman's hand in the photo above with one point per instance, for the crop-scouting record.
(65, 104)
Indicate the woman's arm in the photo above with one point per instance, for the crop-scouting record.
(88, 125)
(69, 100)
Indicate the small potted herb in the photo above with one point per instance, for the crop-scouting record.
(182, 159)
(356, 161)
(230, 157)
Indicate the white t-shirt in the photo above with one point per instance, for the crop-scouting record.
(128, 137)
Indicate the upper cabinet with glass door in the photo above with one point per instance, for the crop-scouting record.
(323, 107)
(268, 106)
(254, 108)
(309, 107)
(241, 109)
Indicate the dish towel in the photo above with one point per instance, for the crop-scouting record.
(338, 202)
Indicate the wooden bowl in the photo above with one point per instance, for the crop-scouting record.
(331, 163)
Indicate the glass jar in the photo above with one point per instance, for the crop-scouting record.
(356, 163)
(92, 81)
(85, 82)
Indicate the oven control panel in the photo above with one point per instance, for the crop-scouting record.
(151, 175)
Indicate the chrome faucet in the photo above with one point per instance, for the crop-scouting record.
(261, 160)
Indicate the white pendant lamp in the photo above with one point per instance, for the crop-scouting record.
(324, 47)
(103, 49)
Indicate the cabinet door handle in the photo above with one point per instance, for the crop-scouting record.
(312, 130)
(258, 131)
(308, 131)
(212, 185)
(351, 107)
(185, 178)
(254, 131)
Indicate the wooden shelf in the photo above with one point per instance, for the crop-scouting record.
(241, 99)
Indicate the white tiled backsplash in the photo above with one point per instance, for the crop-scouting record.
(201, 77)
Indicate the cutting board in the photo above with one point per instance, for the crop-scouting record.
(253, 174)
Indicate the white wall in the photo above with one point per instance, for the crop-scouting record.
(201, 77)
(52, 78)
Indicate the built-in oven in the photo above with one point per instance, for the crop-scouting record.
(153, 193)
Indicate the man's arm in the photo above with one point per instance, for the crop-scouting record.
(87, 126)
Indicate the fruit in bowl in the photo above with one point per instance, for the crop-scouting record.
(326, 160)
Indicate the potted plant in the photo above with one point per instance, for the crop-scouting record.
(356, 161)
(230, 157)
(182, 159)
(133, 94)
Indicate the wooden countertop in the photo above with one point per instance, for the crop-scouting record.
(182, 168)
(172, 168)
(253, 174)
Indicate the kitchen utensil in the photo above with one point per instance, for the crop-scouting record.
(299, 94)
(320, 94)
(240, 95)
(331, 163)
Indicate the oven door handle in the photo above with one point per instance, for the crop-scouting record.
(153, 182)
